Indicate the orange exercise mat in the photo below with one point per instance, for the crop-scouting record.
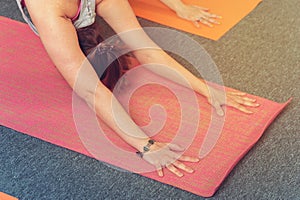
(4, 196)
(232, 12)
(36, 100)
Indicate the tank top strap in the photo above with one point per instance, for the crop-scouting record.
(78, 12)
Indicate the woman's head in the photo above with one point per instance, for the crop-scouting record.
(89, 38)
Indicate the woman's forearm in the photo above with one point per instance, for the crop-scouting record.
(113, 114)
(158, 56)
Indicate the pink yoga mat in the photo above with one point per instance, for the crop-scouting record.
(35, 100)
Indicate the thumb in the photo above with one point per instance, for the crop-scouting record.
(218, 109)
(196, 23)
(175, 147)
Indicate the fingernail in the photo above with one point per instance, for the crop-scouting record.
(220, 113)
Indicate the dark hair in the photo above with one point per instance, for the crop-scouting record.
(89, 38)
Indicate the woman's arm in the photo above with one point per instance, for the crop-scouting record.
(126, 23)
(60, 41)
(192, 13)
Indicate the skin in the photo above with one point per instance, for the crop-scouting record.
(59, 38)
(193, 13)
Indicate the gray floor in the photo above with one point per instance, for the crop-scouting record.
(260, 55)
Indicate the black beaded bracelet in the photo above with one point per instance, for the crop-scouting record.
(145, 148)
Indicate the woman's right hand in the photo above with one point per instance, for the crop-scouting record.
(164, 155)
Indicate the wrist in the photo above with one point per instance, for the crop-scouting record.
(145, 148)
(180, 9)
(139, 145)
(176, 5)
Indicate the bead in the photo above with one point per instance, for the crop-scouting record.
(151, 142)
(146, 148)
(140, 154)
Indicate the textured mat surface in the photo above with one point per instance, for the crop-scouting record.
(35, 100)
(232, 12)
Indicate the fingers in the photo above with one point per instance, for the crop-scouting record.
(175, 166)
(168, 156)
(174, 170)
(236, 99)
(241, 95)
(205, 21)
(183, 167)
(240, 107)
(202, 15)
(159, 170)
(246, 101)
(213, 16)
(237, 93)
(239, 100)
(250, 100)
(206, 12)
(213, 21)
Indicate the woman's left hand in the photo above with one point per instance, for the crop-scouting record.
(198, 15)
(218, 98)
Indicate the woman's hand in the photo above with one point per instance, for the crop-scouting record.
(217, 98)
(198, 15)
(163, 155)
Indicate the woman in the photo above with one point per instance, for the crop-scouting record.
(56, 22)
